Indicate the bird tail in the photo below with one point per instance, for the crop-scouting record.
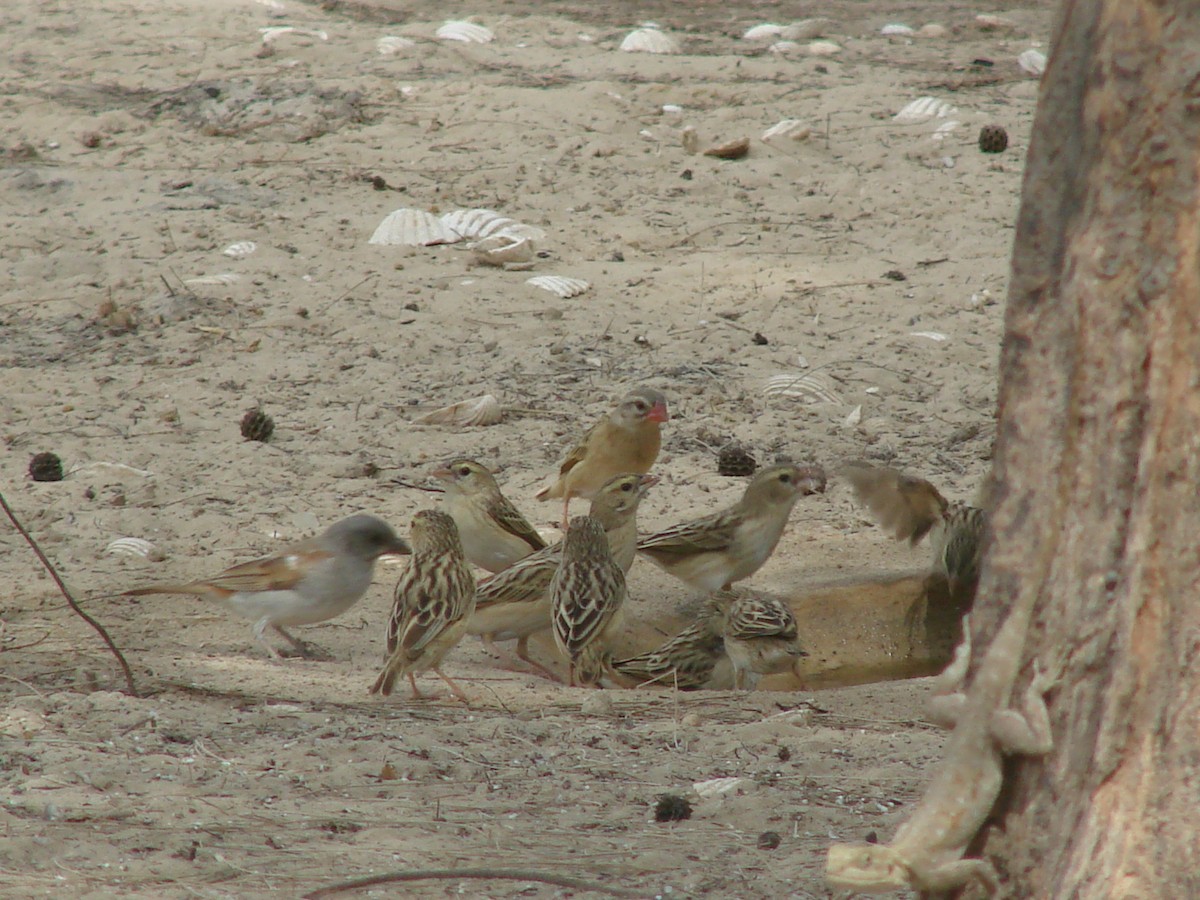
(167, 589)
(386, 680)
(549, 492)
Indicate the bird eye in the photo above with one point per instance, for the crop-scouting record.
(464, 471)
(785, 477)
(627, 487)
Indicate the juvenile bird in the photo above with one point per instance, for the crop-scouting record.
(692, 660)
(626, 440)
(713, 552)
(434, 598)
(515, 603)
(494, 533)
(909, 508)
(586, 598)
(761, 638)
(303, 584)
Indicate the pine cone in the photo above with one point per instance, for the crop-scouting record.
(257, 425)
(735, 460)
(672, 808)
(993, 139)
(46, 467)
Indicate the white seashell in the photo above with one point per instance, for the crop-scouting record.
(220, 278)
(467, 32)
(896, 29)
(823, 48)
(854, 418)
(390, 44)
(924, 108)
(1032, 62)
(672, 109)
(943, 131)
(806, 30)
(502, 249)
(130, 546)
(765, 32)
(413, 228)
(241, 249)
(558, 284)
(785, 48)
(649, 40)
(932, 30)
(813, 387)
(474, 224)
(483, 410)
(113, 467)
(786, 130)
(931, 335)
(717, 787)
(273, 33)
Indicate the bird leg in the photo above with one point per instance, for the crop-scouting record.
(523, 653)
(454, 688)
(417, 695)
(566, 511)
(259, 627)
(305, 649)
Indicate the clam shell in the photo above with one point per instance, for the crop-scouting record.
(390, 45)
(413, 228)
(813, 387)
(943, 131)
(895, 28)
(467, 32)
(718, 787)
(735, 149)
(853, 418)
(922, 109)
(764, 32)
(559, 284)
(272, 33)
(932, 30)
(649, 39)
(806, 29)
(475, 224)
(785, 130)
(1032, 62)
(823, 48)
(240, 249)
(483, 410)
(502, 249)
(130, 546)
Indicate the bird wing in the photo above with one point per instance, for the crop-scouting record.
(525, 581)
(510, 519)
(905, 506)
(579, 451)
(715, 532)
(591, 609)
(685, 661)
(756, 618)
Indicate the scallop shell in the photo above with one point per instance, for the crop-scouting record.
(895, 28)
(130, 546)
(559, 284)
(483, 410)
(219, 278)
(806, 29)
(943, 131)
(413, 228)
(240, 249)
(813, 387)
(648, 39)
(788, 129)
(922, 109)
(502, 249)
(1032, 62)
(467, 32)
(735, 149)
(475, 224)
(272, 33)
(764, 32)
(390, 45)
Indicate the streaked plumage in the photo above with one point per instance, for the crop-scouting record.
(761, 638)
(626, 440)
(586, 598)
(713, 552)
(434, 598)
(494, 534)
(692, 660)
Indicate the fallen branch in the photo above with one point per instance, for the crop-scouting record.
(579, 884)
(71, 600)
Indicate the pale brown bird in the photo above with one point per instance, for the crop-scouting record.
(434, 598)
(587, 596)
(626, 440)
(908, 508)
(303, 584)
(515, 603)
(761, 638)
(692, 660)
(494, 533)
(713, 552)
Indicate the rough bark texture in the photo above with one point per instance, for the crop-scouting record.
(1098, 458)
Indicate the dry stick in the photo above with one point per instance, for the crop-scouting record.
(71, 600)
(578, 884)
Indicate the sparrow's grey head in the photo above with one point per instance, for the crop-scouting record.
(366, 537)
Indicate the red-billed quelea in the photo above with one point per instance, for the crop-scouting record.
(587, 596)
(305, 583)
(494, 533)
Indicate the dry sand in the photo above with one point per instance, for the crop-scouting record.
(141, 139)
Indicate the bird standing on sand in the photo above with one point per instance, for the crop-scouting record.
(586, 598)
(494, 534)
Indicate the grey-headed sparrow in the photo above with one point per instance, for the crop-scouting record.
(303, 584)
(692, 660)
(760, 638)
(713, 552)
(494, 533)
(626, 440)
(434, 598)
(586, 600)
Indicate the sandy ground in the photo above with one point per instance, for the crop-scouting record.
(143, 139)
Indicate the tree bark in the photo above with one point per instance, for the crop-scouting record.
(1097, 471)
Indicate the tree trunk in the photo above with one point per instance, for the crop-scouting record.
(1098, 459)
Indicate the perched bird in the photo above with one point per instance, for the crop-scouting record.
(692, 660)
(626, 440)
(303, 584)
(713, 552)
(586, 599)
(494, 533)
(760, 638)
(515, 603)
(434, 598)
(909, 508)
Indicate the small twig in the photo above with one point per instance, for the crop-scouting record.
(71, 600)
(578, 884)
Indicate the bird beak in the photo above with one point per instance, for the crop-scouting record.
(442, 473)
(658, 413)
(812, 480)
(398, 548)
(646, 482)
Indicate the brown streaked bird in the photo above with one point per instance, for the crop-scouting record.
(713, 552)
(626, 440)
(587, 596)
(694, 659)
(515, 603)
(908, 508)
(761, 638)
(303, 584)
(494, 533)
(434, 598)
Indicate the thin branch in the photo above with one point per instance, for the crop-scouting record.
(71, 600)
(486, 873)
